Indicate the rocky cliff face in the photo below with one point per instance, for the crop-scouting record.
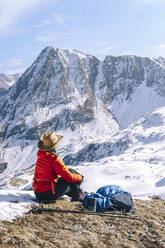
(130, 86)
(79, 96)
(56, 92)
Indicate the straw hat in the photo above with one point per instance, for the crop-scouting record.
(48, 141)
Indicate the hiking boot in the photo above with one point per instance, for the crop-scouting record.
(80, 196)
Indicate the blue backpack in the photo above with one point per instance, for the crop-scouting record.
(111, 197)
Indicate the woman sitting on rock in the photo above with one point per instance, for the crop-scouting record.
(52, 178)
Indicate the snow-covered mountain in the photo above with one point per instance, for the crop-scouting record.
(8, 79)
(80, 97)
(55, 92)
(4, 80)
(111, 113)
(130, 86)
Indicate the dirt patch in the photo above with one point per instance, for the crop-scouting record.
(66, 230)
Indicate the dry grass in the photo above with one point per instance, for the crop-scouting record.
(66, 230)
(18, 181)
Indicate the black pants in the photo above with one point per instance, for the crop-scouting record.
(62, 188)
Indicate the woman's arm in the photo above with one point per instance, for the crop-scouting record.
(63, 170)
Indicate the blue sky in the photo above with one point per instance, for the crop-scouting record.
(96, 27)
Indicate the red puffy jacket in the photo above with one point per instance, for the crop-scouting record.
(49, 168)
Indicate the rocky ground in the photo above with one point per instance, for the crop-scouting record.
(67, 230)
